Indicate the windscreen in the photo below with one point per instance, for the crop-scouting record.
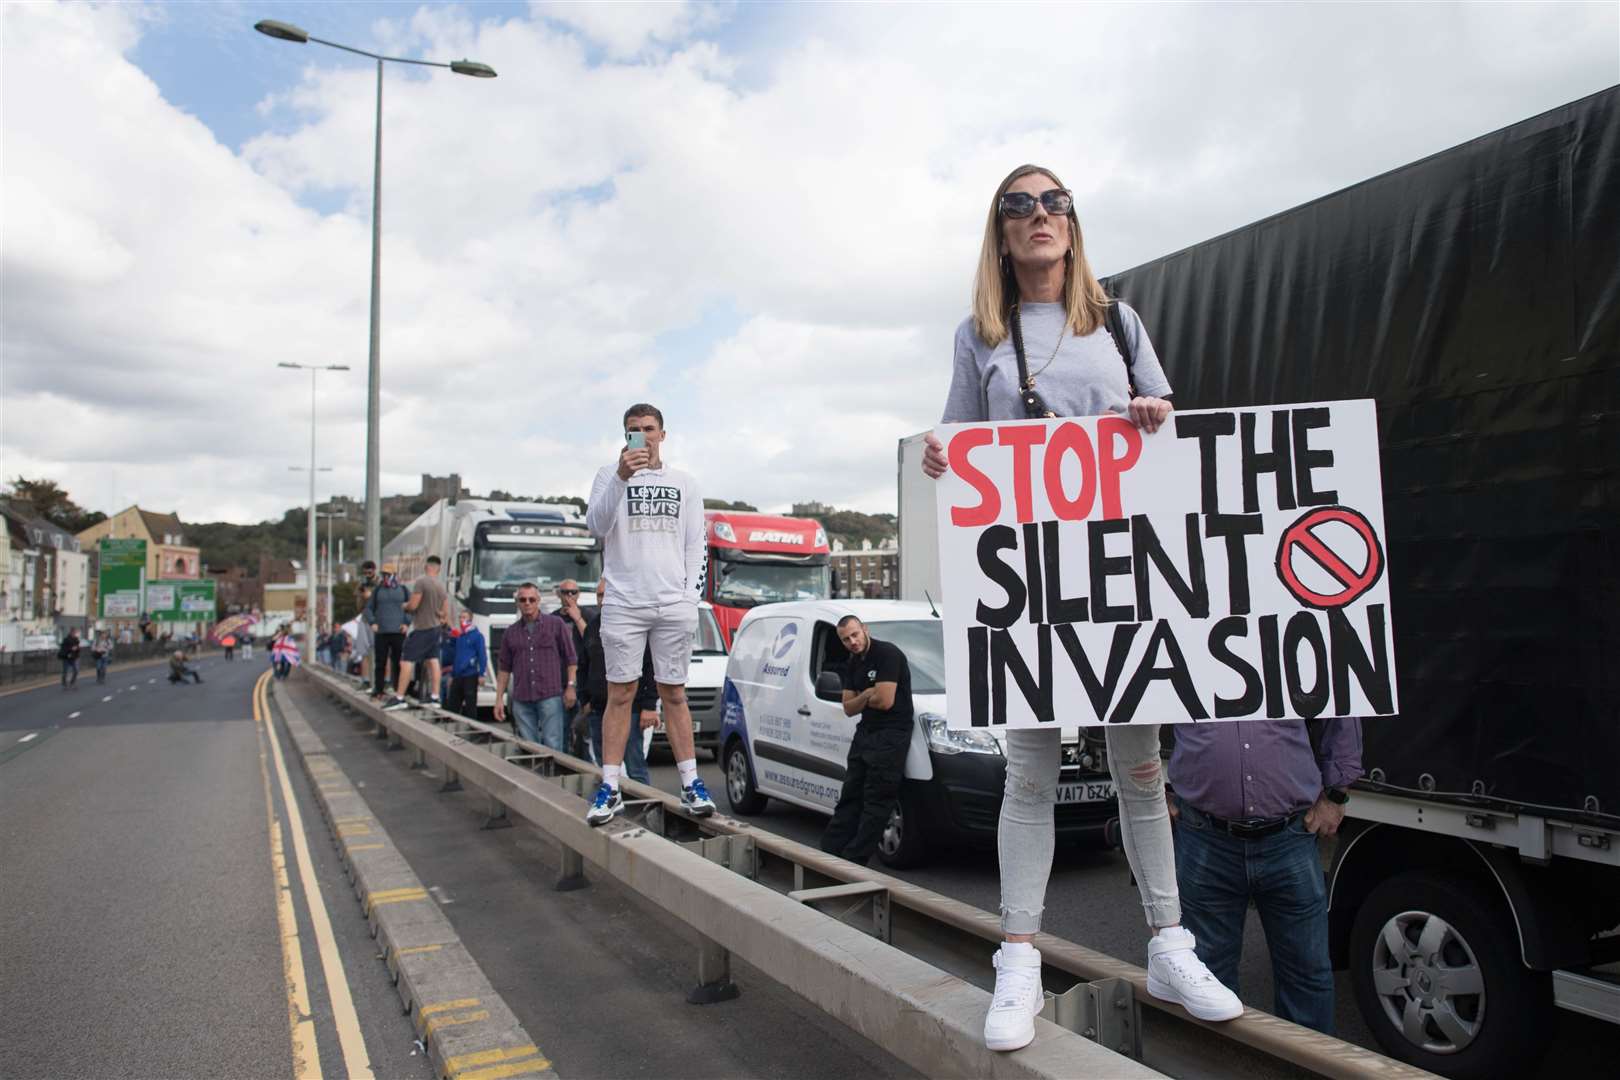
(507, 567)
(923, 642)
(749, 584)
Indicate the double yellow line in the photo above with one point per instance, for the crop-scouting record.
(306, 1053)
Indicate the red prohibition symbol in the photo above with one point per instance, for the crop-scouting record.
(1301, 538)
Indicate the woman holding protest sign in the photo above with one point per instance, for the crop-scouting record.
(1045, 340)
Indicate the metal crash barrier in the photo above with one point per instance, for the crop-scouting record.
(889, 959)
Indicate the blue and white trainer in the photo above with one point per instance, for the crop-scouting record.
(606, 804)
(695, 799)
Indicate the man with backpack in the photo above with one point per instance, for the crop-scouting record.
(385, 614)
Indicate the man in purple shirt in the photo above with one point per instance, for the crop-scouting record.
(1249, 800)
(537, 666)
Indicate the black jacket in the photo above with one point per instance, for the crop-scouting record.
(592, 673)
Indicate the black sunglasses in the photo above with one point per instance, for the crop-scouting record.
(1021, 204)
(528, 599)
(569, 592)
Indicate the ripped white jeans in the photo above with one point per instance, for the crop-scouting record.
(1024, 839)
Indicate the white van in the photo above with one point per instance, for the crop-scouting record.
(778, 740)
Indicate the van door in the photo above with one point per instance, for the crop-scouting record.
(827, 732)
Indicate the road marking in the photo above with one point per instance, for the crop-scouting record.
(440, 894)
(393, 896)
(151, 680)
(453, 1019)
(364, 847)
(489, 1057)
(300, 1023)
(30, 735)
(356, 1062)
(445, 1006)
(134, 688)
(107, 698)
(415, 949)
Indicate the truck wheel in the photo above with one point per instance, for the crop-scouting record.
(1438, 978)
(740, 791)
(904, 842)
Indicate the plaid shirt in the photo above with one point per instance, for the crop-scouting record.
(535, 652)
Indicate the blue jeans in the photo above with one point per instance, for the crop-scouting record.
(1282, 873)
(544, 722)
(635, 761)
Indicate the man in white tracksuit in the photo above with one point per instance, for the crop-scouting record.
(649, 518)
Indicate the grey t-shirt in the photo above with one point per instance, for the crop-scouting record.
(433, 611)
(1086, 378)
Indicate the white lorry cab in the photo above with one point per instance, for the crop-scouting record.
(780, 739)
(489, 548)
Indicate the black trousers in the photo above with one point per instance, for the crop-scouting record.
(877, 764)
(385, 661)
(463, 697)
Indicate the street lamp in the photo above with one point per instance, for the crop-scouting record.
(288, 32)
(314, 370)
(331, 565)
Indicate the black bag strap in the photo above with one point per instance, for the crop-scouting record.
(1116, 330)
(1034, 407)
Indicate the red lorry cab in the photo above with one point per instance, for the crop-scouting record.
(758, 559)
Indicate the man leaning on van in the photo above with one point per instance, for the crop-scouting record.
(877, 685)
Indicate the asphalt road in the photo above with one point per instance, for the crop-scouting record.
(137, 900)
(596, 977)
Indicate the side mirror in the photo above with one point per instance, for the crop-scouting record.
(829, 687)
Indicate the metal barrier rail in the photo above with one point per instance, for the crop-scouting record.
(952, 936)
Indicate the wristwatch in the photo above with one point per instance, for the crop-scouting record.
(1336, 795)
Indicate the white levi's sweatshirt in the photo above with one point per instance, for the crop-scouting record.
(652, 533)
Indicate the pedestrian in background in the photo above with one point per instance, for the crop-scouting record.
(429, 609)
(180, 671)
(536, 668)
(570, 611)
(68, 653)
(385, 614)
(469, 667)
(1250, 800)
(877, 688)
(102, 652)
(593, 689)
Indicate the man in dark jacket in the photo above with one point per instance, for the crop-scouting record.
(877, 685)
(593, 691)
(385, 614)
(69, 655)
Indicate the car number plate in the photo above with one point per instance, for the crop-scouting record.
(1086, 791)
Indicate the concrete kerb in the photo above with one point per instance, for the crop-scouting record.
(925, 1016)
(469, 1032)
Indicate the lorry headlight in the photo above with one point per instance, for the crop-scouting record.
(724, 531)
(944, 740)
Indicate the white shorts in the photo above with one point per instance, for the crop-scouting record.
(628, 631)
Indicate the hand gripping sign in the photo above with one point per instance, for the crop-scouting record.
(1228, 567)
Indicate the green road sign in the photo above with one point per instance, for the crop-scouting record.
(181, 601)
(122, 572)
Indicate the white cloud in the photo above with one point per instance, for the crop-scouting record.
(548, 234)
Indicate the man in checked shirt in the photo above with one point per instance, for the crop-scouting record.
(1250, 799)
(537, 667)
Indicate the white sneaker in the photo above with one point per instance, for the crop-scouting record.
(1176, 974)
(1010, 1023)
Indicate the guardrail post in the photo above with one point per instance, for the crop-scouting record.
(394, 741)
(452, 782)
(714, 975)
(495, 814)
(571, 874)
(419, 759)
(1103, 1010)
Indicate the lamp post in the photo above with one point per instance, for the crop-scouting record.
(309, 575)
(288, 32)
(331, 565)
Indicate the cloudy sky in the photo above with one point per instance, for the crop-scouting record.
(763, 218)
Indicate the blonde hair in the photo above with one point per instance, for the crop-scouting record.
(995, 290)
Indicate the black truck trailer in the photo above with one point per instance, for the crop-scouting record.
(1476, 296)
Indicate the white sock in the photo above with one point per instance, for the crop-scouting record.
(688, 770)
(610, 775)
(1018, 948)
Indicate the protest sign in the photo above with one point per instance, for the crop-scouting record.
(1230, 566)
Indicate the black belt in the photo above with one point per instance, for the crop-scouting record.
(1254, 828)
